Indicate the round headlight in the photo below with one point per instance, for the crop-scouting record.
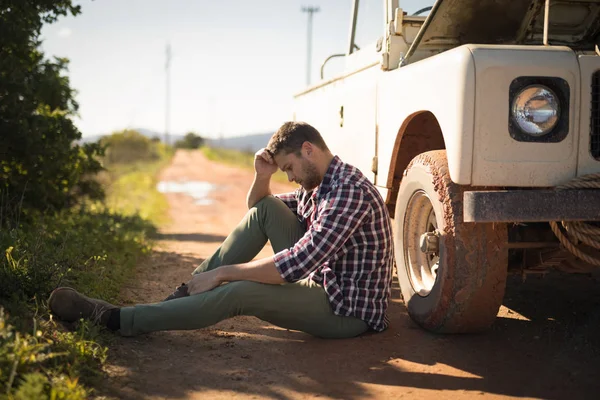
(535, 109)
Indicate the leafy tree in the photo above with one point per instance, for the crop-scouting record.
(190, 141)
(41, 165)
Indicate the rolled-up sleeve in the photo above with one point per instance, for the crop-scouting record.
(339, 215)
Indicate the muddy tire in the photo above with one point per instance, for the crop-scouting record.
(452, 278)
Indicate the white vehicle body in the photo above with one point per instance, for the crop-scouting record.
(466, 91)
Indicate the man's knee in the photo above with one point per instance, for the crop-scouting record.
(268, 202)
(261, 208)
(269, 209)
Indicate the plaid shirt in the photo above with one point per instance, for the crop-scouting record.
(348, 246)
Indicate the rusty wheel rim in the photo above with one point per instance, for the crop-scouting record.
(421, 267)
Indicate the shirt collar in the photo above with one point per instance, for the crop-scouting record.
(332, 170)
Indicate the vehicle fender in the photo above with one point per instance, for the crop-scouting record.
(443, 85)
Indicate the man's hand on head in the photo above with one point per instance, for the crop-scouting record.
(264, 164)
(265, 167)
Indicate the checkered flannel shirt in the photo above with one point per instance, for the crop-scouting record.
(348, 246)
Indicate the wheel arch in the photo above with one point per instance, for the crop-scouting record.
(420, 132)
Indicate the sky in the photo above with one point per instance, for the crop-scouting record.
(235, 65)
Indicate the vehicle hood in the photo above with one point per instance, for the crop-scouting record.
(457, 22)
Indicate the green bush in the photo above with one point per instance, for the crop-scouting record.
(94, 248)
(190, 141)
(128, 146)
(41, 166)
(50, 233)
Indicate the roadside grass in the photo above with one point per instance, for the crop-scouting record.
(227, 156)
(239, 159)
(131, 189)
(93, 248)
(92, 251)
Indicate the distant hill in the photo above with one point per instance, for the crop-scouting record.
(250, 143)
(146, 132)
(152, 134)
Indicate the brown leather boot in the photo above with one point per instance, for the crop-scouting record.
(69, 305)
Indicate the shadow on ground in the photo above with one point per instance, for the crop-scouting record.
(157, 278)
(189, 237)
(553, 355)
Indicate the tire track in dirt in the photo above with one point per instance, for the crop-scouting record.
(247, 358)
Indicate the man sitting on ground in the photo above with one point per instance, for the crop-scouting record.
(332, 269)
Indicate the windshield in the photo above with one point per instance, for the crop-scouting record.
(412, 6)
(369, 23)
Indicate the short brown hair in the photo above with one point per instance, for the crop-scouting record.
(290, 137)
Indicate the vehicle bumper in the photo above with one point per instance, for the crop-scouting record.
(531, 205)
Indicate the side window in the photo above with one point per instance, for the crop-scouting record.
(369, 23)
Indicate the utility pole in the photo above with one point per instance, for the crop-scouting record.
(168, 93)
(310, 11)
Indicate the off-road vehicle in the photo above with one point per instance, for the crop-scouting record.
(479, 121)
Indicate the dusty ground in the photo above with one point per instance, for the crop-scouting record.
(544, 344)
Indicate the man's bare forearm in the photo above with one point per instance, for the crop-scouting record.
(263, 271)
(261, 187)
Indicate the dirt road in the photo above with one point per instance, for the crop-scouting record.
(544, 344)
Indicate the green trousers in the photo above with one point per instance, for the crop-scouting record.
(300, 306)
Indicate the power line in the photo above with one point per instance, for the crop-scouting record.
(310, 11)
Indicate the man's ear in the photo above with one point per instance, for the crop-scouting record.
(307, 149)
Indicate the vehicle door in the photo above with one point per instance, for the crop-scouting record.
(358, 107)
(343, 108)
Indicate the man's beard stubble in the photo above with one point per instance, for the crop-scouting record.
(311, 176)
